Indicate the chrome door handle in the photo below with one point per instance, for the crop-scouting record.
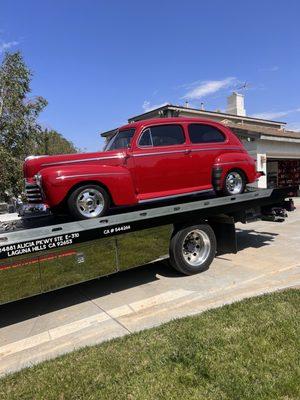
(187, 151)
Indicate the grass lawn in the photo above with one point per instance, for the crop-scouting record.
(248, 350)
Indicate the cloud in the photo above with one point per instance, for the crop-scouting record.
(148, 107)
(7, 45)
(294, 126)
(275, 114)
(273, 68)
(206, 88)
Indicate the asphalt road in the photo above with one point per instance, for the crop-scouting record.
(45, 326)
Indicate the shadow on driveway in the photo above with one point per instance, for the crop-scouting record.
(251, 238)
(41, 304)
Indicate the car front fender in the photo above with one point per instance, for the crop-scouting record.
(58, 182)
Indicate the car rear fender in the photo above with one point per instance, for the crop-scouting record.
(58, 182)
(233, 161)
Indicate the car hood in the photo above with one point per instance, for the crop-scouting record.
(35, 164)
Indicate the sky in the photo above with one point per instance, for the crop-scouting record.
(99, 63)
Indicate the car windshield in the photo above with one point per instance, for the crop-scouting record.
(121, 140)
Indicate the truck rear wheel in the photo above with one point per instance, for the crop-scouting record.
(88, 201)
(192, 249)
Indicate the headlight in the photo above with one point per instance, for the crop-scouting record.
(38, 179)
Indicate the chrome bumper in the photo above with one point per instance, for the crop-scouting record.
(34, 210)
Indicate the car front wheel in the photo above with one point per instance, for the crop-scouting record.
(89, 201)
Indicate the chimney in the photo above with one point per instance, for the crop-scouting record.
(202, 106)
(235, 104)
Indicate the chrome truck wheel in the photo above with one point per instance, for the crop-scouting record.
(196, 247)
(89, 201)
(192, 249)
(234, 183)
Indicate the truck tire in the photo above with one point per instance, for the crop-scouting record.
(88, 201)
(192, 249)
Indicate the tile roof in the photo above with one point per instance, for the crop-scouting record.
(267, 131)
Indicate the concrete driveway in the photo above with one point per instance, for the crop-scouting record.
(45, 326)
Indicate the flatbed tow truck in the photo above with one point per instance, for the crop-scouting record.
(42, 255)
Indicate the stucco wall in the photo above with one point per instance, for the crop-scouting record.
(279, 148)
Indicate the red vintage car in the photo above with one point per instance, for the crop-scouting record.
(144, 161)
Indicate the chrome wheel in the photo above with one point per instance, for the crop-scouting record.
(90, 203)
(234, 183)
(196, 247)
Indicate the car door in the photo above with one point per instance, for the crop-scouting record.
(161, 162)
(207, 142)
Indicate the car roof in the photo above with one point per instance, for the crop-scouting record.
(160, 121)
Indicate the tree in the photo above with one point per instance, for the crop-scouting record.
(10, 173)
(18, 113)
(51, 142)
(18, 120)
(20, 133)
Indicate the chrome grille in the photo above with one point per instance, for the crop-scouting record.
(33, 193)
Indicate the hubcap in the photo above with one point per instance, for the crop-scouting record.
(90, 203)
(196, 247)
(234, 183)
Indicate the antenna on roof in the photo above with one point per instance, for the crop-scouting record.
(244, 86)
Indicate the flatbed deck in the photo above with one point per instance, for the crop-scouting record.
(45, 254)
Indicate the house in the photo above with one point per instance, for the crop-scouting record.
(275, 148)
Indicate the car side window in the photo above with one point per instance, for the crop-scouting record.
(201, 133)
(162, 135)
(120, 140)
(146, 139)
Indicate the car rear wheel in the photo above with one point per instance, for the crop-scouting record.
(89, 201)
(234, 183)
